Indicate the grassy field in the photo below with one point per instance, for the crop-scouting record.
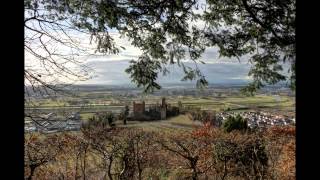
(86, 116)
(179, 123)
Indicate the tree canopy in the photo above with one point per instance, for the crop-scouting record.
(263, 29)
(166, 32)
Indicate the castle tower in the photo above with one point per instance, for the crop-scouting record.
(143, 108)
(163, 109)
(163, 102)
(134, 107)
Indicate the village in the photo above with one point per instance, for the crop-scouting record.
(259, 119)
(53, 123)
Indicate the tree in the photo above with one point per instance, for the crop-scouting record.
(110, 118)
(52, 51)
(166, 33)
(92, 121)
(190, 150)
(39, 152)
(245, 157)
(144, 148)
(76, 149)
(146, 23)
(125, 113)
(263, 30)
(107, 144)
(106, 117)
(235, 123)
(102, 119)
(241, 155)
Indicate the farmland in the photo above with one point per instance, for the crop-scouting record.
(91, 101)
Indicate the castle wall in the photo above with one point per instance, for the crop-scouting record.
(138, 108)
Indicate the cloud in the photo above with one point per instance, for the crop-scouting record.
(110, 69)
(113, 73)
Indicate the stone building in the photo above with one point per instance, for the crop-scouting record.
(138, 108)
(163, 109)
(154, 111)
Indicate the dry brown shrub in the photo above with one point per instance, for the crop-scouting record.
(277, 131)
(168, 155)
(287, 165)
(281, 151)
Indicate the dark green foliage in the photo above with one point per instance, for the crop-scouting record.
(235, 123)
(144, 73)
(173, 111)
(109, 117)
(124, 115)
(101, 119)
(126, 110)
(121, 116)
(261, 31)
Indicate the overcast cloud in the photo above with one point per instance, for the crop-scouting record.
(110, 69)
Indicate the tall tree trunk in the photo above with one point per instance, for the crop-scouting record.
(139, 167)
(128, 169)
(194, 173)
(140, 173)
(32, 169)
(76, 168)
(84, 164)
(193, 162)
(225, 172)
(124, 169)
(109, 168)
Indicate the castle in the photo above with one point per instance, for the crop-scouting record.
(153, 112)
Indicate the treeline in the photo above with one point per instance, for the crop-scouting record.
(104, 152)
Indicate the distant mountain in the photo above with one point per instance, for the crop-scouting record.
(113, 73)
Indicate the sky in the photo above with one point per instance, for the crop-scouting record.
(110, 69)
